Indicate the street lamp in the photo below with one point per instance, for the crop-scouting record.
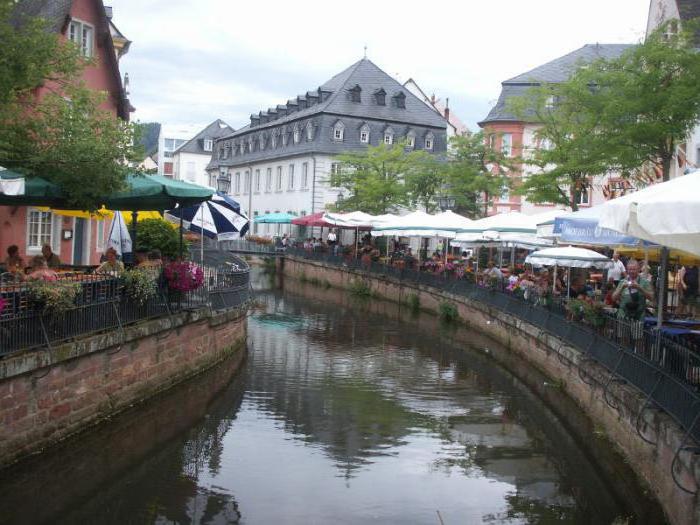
(446, 202)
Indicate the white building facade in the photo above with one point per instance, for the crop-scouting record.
(191, 158)
(283, 160)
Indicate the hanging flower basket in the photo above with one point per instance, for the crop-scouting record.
(184, 276)
(139, 285)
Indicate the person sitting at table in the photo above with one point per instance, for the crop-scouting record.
(41, 271)
(579, 289)
(13, 259)
(112, 266)
(51, 258)
(492, 272)
(409, 259)
(155, 260)
(141, 258)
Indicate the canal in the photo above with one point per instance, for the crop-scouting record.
(345, 411)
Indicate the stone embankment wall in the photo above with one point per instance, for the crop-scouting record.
(650, 458)
(48, 395)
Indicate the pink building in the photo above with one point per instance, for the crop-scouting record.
(89, 24)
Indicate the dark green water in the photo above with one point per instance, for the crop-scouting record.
(340, 415)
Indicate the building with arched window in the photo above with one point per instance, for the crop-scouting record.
(358, 107)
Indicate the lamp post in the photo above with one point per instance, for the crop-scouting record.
(446, 202)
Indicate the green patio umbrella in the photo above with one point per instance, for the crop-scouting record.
(155, 192)
(275, 218)
(36, 191)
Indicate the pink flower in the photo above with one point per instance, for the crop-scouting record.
(184, 276)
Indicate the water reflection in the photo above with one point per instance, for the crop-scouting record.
(344, 413)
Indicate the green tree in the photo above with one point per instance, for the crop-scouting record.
(647, 101)
(625, 115)
(157, 234)
(377, 178)
(565, 157)
(473, 173)
(63, 136)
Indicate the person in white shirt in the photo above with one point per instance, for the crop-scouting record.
(332, 238)
(617, 271)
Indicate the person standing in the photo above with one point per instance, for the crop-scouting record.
(617, 271)
(688, 288)
(332, 238)
(632, 294)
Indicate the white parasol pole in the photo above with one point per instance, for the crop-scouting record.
(201, 234)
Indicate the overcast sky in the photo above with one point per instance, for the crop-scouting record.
(194, 61)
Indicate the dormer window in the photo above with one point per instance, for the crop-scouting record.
(251, 145)
(388, 136)
(263, 141)
(309, 131)
(228, 150)
(410, 140)
(221, 152)
(285, 136)
(550, 102)
(297, 134)
(338, 131)
(208, 144)
(364, 134)
(429, 141)
(380, 97)
(356, 94)
(400, 100)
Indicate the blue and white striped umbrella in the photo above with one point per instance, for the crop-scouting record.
(219, 218)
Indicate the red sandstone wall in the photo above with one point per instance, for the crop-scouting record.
(49, 403)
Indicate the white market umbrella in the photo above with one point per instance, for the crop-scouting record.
(119, 237)
(667, 213)
(570, 257)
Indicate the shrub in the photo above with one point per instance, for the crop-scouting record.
(53, 297)
(360, 289)
(140, 285)
(158, 234)
(413, 302)
(448, 312)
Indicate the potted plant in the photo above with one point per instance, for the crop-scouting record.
(184, 276)
(53, 297)
(139, 285)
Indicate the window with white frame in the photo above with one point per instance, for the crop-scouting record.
(584, 194)
(505, 193)
(237, 183)
(257, 181)
(304, 175)
(388, 136)
(335, 168)
(550, 102)
(338, 131)
(290, 178)
(297, 134)
(82, 35)
(268, 180)
(278, 182)
(492, 141)
(246, 182)
(39, 225)
(309, 131)
(364, 134)
(255, 223)
(507, 144)
(411, 140)
(429, 141)
(208, 144)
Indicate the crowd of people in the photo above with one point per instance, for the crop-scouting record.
(44, 267)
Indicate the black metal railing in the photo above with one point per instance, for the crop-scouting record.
(666, 370)
(102, 304)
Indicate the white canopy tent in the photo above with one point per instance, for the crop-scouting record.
(421, 224)
(568, 257)
(667, 214)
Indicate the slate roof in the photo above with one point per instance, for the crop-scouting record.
(213, 131)
(558, 70)
(370, 78)
(688, 9)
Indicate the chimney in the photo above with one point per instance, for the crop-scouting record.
(447, 109)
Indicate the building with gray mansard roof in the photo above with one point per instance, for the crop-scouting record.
(282, 160)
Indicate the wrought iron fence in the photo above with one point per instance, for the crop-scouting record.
(102, 304)
(666, 370)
